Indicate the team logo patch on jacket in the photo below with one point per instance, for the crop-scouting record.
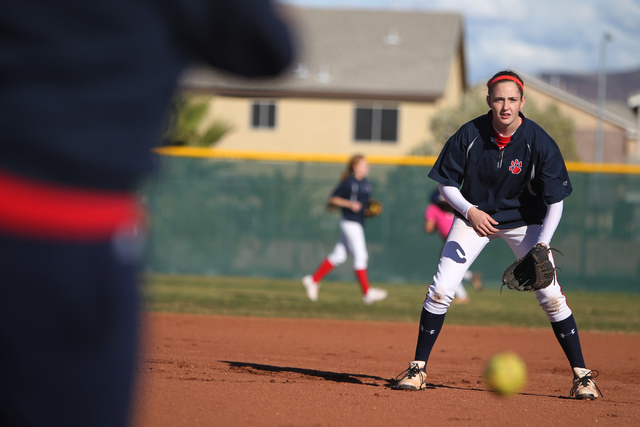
(516, 166)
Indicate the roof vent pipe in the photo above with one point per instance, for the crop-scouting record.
(393, 38)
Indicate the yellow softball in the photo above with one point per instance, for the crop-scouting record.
(505, 374)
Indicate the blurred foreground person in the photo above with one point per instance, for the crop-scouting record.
(84, 86)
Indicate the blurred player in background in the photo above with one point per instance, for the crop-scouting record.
(506, 178)
(439, 216)
(352, 196)
(84, 87)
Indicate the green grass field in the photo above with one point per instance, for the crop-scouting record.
(233, 296)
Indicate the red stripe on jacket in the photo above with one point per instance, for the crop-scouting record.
(37, 209)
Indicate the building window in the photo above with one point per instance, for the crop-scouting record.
(263, 114)
(376, 123)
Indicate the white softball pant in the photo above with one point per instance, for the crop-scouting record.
(351, 241)
(462, 248)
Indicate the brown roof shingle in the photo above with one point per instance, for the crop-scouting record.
(359, 53)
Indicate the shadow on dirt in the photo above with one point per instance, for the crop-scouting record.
(431, 386)
(343, 377)
(338, 377)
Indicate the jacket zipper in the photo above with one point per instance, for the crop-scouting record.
(501, 154)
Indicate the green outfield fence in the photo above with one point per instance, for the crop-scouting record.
(225, 213)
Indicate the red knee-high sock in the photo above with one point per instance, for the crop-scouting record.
(324, 269)
(363, 278)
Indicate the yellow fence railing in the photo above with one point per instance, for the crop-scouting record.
(197, 152)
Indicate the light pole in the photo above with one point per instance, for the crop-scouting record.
(602, 95)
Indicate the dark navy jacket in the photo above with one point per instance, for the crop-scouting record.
(513, 185)
(352, 189)
(84, 85)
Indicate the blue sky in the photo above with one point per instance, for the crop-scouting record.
(533, 36)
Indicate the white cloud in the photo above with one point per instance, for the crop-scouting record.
(626, 14)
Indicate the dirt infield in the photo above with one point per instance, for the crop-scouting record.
(226, 371)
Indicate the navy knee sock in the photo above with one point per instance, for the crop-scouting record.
(430, 326)
(567, 334)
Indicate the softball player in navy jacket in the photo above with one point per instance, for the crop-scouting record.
(352, 196)
(506, 178)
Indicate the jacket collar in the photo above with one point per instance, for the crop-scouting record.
(517, 136)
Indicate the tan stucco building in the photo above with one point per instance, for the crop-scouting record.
(364, 81)
(620, 136)
(369, 81)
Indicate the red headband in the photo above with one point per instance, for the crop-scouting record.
(507, 77)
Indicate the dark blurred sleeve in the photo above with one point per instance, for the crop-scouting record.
(244, 37)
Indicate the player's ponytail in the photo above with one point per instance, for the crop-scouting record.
(353, 161)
